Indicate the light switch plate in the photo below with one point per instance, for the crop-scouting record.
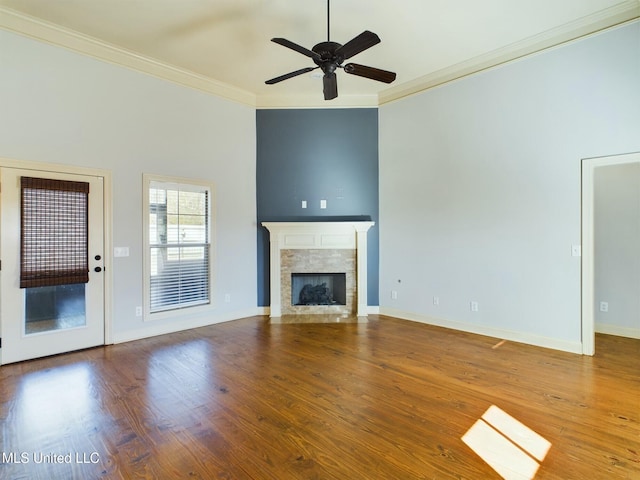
(121, 251)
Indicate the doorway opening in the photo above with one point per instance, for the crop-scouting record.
(589, 166)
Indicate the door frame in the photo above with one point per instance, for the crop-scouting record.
(589, 166)
(107, 222)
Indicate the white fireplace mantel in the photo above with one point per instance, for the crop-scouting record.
(318, 235)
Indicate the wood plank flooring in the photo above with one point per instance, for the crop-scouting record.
(386, 399)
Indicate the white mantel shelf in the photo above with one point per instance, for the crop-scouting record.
(318, 235)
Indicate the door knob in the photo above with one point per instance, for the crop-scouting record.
(97, 257)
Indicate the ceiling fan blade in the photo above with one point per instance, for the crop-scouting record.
(330, 84)
(370, 72)
(287, 76)
(358, 44)
(294, 46)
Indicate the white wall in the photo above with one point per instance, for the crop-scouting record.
(60, 107)
(617, 248)
(480, 188)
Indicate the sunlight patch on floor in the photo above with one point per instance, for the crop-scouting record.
(511, 448)
(56, 400)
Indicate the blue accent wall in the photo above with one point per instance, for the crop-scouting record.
(317, 155)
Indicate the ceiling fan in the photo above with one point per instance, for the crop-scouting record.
(328, 56)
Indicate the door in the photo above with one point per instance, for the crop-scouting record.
(51, 277)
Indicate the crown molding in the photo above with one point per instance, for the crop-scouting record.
(316, 101)
(53, 34)
(25, 25)
(624, 12)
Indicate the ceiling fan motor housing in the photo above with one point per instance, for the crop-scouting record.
(328, 60)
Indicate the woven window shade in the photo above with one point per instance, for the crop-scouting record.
(53, 232)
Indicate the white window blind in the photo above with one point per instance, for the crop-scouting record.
(179, 245)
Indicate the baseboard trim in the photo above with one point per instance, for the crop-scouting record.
(184, 324)
(520, 337)
(618, 331)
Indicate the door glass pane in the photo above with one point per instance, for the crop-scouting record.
(54, 308)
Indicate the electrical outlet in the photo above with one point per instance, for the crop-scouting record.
(227, 297)
(138, 311)
(323, 204)
(304, 204)
(436, 301)
(604, 306)
(394, 295)
(474, 306)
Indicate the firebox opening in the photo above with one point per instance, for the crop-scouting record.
(318, 289)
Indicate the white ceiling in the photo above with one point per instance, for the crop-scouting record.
(223, 46)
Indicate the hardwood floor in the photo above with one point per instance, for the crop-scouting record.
(387, 399)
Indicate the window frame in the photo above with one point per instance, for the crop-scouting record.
(187, 183)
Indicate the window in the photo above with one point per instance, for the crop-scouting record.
(178, 244)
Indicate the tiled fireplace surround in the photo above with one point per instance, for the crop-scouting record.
(318, 247)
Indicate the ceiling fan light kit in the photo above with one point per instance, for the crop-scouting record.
(329, 56)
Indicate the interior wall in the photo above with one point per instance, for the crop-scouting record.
(311, 155)
(617, 249)
(480, 188)
(61, 107)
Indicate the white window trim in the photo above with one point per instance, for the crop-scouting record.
(147, 179)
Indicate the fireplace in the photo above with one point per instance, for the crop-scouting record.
(318, 289)
(334, 253)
